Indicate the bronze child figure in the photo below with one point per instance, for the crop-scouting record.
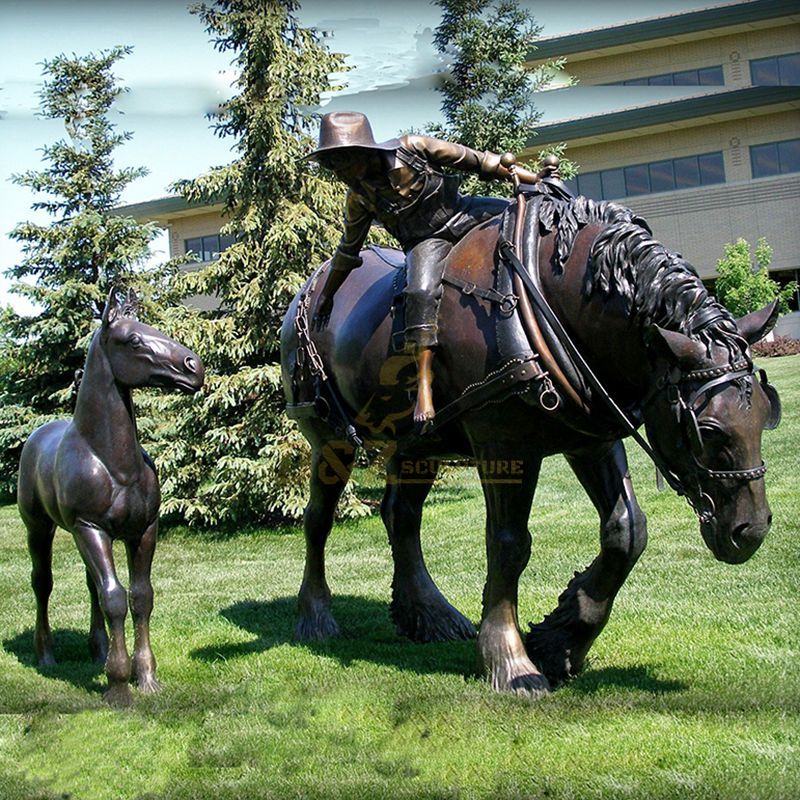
(400, 183)
(90, 476)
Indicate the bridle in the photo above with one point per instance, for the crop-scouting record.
(683, 409)
(671, 382)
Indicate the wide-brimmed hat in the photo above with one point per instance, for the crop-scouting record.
(342, 129)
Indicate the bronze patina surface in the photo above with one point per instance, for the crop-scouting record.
(90, 476)
(403, 184)
(665, 350)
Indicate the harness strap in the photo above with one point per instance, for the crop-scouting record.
(507, 302)
(507, 250)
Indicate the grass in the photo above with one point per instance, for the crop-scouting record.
(693, 689)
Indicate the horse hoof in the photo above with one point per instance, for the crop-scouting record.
(431, 622)
(519, 677)
(118, 695)
(316, 628)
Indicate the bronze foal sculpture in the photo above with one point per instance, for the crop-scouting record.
(90, 476)
(509, 393)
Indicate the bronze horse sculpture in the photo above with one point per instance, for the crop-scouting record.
(666, 352)
(90, 476)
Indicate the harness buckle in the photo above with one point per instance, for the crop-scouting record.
(508, 304)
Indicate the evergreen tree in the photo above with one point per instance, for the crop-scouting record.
(236, 457)
(70, 263)
(743, 286)
(488, 93)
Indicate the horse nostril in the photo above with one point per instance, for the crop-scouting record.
(738, 535)
(190, 364)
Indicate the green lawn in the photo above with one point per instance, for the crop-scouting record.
(693, 689)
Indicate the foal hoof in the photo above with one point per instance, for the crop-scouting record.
(148, 684)
(118, 695)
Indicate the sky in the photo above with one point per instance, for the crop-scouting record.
(175, 77)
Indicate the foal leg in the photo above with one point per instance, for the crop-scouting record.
(418, 609)
(560, 642)
(330, 471)
(94, 546)
(40, 546)
(98, 636)
(501, 654)
(140, 560)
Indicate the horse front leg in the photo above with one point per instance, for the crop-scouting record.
(501, 653)
(418, 609)
(95, 548)
(560, 642)
(140, 561)
(331, 465)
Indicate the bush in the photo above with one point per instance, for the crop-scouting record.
(779, 346)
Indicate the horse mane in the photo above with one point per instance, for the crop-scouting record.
(657, 286)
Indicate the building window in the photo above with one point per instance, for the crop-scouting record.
(776, 158)
(707, 76)
(208, 248)
(776, 71)
(656, 176)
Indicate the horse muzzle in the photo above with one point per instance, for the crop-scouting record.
(735, 544)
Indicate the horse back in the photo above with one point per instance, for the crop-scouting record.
(362, 347)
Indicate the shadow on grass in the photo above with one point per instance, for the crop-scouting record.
(74, 664)
(367, 634)
(639, 677)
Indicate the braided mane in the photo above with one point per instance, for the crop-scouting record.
(656, 285)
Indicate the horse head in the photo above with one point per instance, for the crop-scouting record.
(705, 412)
(142, 356)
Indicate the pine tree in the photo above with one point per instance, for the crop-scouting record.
(236, 457)
(488, 93)
(70, 263)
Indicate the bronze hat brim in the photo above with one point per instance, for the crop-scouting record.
(391, 144)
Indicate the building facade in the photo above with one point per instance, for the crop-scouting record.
(716, 158)
(699, 133)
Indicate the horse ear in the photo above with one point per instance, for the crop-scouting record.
(111, 310)
(676, 347)
(756, 325)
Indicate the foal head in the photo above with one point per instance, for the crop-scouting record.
(142, 356)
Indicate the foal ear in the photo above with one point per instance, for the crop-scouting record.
(756, 325)
(130, 308)
(677, 348)
(112, 308)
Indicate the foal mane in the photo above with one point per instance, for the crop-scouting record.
(657, 286)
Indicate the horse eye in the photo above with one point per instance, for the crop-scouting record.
(134, 340)
(713, 432)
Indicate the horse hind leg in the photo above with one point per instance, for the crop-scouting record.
(331, 465)
(41, 531)
(418, 608)
(559, 644)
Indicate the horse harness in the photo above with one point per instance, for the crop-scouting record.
(683, 408)
(499, 383)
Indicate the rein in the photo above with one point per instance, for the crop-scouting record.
(701, 502)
